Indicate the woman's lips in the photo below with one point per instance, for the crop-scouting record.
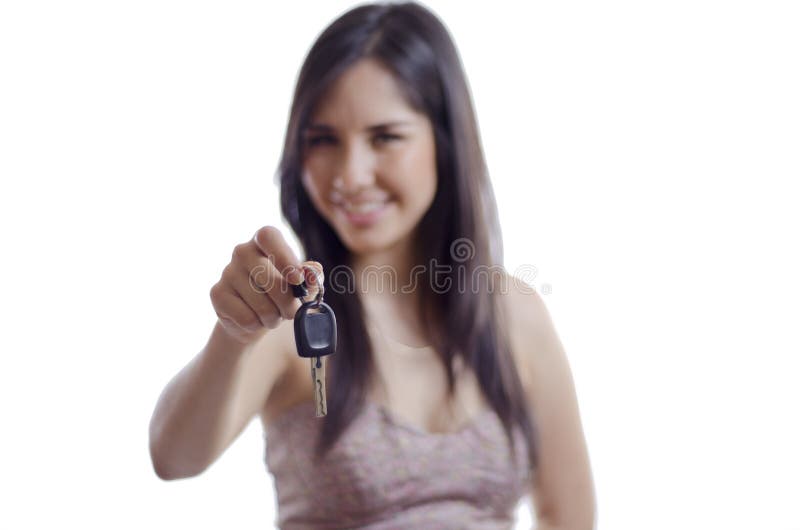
(364, 213)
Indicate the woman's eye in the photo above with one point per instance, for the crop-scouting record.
(327, 139)
(317, 140)
(386, 137)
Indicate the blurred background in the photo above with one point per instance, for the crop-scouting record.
(645, 157)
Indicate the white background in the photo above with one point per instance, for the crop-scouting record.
(643, 154)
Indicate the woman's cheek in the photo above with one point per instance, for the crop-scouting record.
(312, 186)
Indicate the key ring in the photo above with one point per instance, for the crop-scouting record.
(301, 290)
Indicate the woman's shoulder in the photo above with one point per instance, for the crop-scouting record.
(522, 305)
(528, 325)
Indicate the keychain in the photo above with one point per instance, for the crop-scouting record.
(315, 337)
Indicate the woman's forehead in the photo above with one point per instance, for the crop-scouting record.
(364, 96)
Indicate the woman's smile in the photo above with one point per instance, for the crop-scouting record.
(364, 209)
(364, 214)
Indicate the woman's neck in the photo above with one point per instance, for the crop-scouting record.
(386, 273)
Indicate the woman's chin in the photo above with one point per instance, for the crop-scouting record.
(367, 243)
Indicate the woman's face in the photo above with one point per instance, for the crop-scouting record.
(369, 163)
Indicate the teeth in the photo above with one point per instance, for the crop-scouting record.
(364, 207)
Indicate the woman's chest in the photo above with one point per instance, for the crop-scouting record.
(411, 385)
(408, 382)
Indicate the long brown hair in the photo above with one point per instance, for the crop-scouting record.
(460, 230)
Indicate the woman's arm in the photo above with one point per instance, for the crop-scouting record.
(208, 403)
(562, 489)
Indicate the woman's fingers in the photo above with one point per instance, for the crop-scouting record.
(254, 292)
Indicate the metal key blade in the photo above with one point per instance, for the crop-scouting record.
(318, 379)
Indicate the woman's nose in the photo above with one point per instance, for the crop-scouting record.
(356, 169)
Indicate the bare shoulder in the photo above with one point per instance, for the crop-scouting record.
(538, 352)
(529, 325)
(563, 489)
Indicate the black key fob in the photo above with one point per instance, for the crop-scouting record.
(315, 333)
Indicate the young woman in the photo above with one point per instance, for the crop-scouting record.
(450, 395)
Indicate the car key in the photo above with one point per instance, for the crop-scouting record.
(315, 338)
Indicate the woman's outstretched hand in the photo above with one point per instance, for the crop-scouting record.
(254, 293)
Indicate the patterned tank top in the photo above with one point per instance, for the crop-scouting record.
(383, 474)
